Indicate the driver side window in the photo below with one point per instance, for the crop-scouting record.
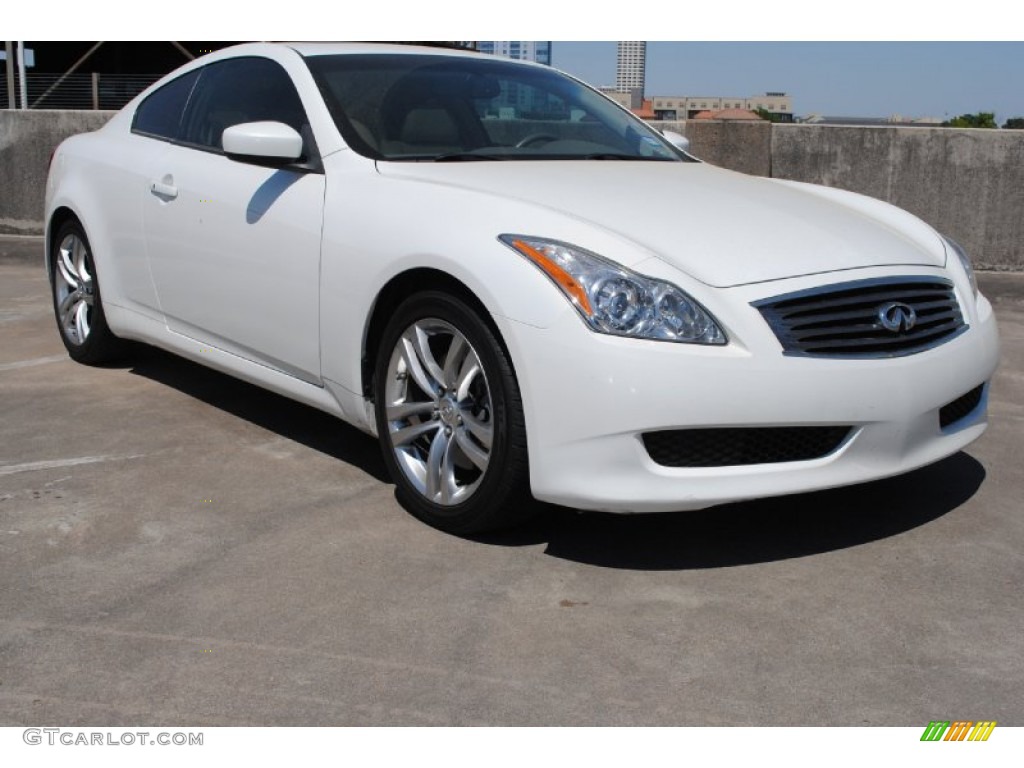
(237, 91)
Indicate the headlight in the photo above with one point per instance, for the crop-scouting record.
(612, 299)
(965, 262)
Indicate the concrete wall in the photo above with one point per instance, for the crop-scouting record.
(26, 141)
(744, 146)
(967, 183)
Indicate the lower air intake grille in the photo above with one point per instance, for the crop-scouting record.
(734, 446)
(866, 318)
(963, 405)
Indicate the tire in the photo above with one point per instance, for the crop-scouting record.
(450, 417)
(76, 299)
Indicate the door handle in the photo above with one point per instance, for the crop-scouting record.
(164, 190)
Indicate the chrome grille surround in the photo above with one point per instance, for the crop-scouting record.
(848, 320)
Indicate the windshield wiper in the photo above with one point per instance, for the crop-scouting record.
(618, 156)
(446, 157)
(458, 157)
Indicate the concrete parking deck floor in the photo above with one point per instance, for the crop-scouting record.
(180, 548)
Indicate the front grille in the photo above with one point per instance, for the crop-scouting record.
(848, 320)
(735, 446)
(952, 412)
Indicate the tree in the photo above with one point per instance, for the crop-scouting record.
(1014, 122)
(980, 120)
(764, 114)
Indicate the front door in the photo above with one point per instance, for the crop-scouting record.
(234, 247)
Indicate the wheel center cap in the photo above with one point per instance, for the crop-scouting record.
(449, 412)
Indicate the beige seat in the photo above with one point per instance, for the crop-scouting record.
(431, 127)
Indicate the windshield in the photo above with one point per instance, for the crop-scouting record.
(450, 108)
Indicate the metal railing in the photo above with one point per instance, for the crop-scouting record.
(78, 90)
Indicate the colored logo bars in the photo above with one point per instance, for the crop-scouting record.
(960, 730)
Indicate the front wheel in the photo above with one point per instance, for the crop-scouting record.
(450, 417)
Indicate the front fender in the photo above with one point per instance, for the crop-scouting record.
(376, 228)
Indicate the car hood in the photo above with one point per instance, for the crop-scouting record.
(720, 227)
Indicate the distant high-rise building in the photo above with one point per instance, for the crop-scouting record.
(632, 66)
(525, 50)
(524, 101)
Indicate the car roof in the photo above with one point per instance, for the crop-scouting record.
(325, 49)
(306, 49)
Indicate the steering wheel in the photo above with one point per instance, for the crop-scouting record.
(533, 138)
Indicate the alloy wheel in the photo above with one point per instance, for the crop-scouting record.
(74, 289)
(439, 412)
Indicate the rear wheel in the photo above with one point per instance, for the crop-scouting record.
(76, 299)
(450, 417)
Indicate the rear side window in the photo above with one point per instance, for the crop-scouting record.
(160, 113)
(242, 90)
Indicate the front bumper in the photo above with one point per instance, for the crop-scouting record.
(589, 398)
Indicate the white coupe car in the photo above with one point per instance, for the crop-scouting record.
(517, 285)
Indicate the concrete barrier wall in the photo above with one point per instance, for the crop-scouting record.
(744, 146)
(26, 141)
(967, 183)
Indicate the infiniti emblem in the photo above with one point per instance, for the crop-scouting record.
(897, 317)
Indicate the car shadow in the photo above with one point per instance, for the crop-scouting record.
(268, 193)
(288, 418)
(752, 532)
(744, 533)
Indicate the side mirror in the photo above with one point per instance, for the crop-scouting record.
(264, 141)
(677, 140)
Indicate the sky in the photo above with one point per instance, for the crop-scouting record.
(862, 79)
(845, 78)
